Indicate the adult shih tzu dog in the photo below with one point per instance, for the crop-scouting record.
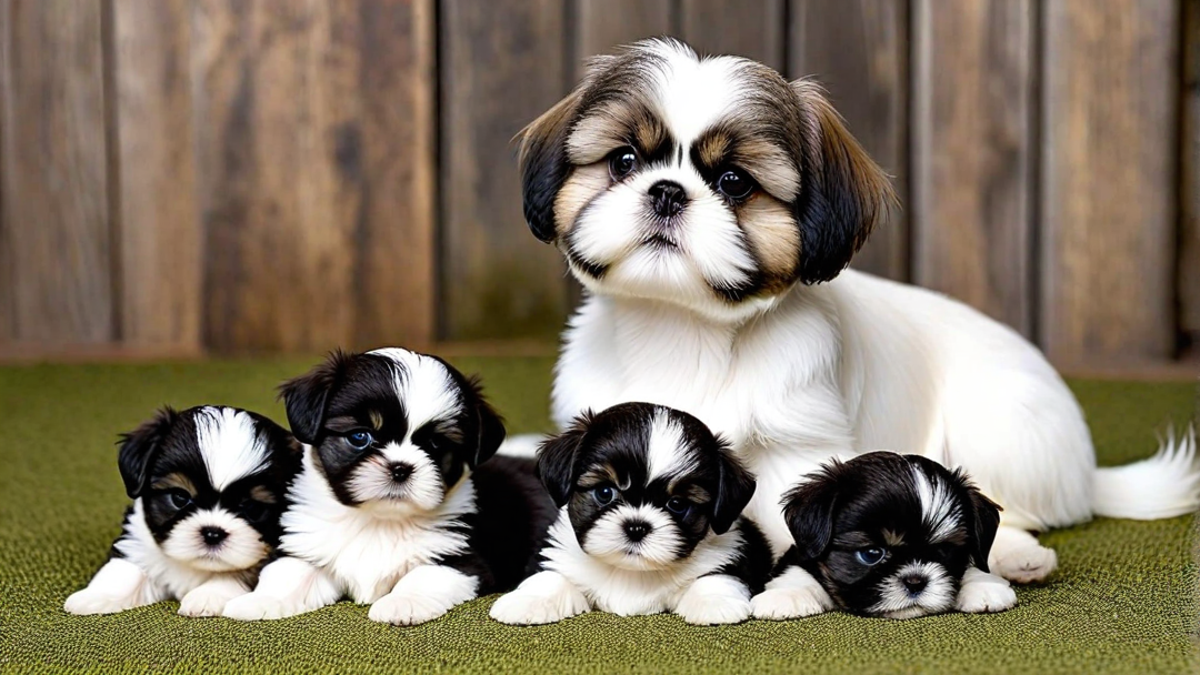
(650, 522)
(399, 503)
(896, 536)
(709, 208)
(208, 486)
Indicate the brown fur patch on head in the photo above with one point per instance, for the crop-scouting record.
(748, 144)
(262, 494)
(770, 228)
(584, 185)
(599, 474)
(893, 538)
(695, 493)
(175, 481)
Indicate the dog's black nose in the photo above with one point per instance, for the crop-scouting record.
(915, 583)
(401, 472)
(667, 198)
(637, 530)
(213, 535)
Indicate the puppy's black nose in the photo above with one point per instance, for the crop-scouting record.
(915, 583)
(213, 535)
(401, 472)
(637, 530)
(667, 198)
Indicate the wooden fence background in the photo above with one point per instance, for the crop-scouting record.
(223, 176)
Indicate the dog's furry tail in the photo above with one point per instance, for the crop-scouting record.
(1163, 486)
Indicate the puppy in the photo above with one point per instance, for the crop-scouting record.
(886, 535)
(208, 487)
(650, 522)
(709, 207)
(397, 503)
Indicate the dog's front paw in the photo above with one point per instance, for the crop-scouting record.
(403, 609)
(203, 602)
(89, 601)
(1026, 564)
(982, 592)
(712, 600)
(777, 604)
(255, 607)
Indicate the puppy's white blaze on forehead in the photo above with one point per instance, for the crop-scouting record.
(424, 386)
(693, 94)
(667, 453)
(939, 510)
(229, 442)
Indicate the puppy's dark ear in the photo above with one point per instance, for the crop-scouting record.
(542, 156)
(734, 490)
(983, 521)
(491, 426)
(305, 397)
(556, 459)
(844, 194)
(808, 511)
(139, 447)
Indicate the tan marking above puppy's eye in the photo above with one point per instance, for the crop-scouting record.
(175, 481)
(697, 494)
(262, 494)
(376, 419)
(599, 475)
(893, 538)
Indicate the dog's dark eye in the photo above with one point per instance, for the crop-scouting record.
(869, 556)
(359, 440)
(604, 495)
(678, 505)
(621, 163)
(254, 509)
(179, 499)
(735, 184)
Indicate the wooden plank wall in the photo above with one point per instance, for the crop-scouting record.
(231, 176)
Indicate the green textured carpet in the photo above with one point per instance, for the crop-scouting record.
(1124, 599)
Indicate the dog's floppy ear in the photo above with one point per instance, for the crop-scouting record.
(139, 447)
(556, 465)
(491, 426)
(734, 490)
(844, 193)
(306, 397)
(808, 510)
(982, 522)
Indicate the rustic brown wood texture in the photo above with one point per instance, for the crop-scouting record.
(502, 64)
(858, 49)
(973, 153)
(1189, 239)
(55, 245)
(1108, 208)
(751, 28)
(601, 25)
(158, 219)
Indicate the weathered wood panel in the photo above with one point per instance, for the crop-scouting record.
(858, 49)
(1109, 204)
(751, 28)
(1189, 239)
(601, 25)
(55, 241)
(395, 237)
(158, 220)
(501, 66)
(973, 156)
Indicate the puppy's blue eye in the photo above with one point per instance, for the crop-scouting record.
(604, 495)
(678, 505)
(359, 440)
(179, 499)
(869, 556)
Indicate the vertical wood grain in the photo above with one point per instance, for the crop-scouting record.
(751, 28)
(55, 240)
(1189, 238)
(858, 49)
(1108, 199)
(161, 241)
(276, 99)
(972, 153)
(501, 66)
(395, 238)
(601, 25)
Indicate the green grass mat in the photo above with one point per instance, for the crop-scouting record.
(1124, 599)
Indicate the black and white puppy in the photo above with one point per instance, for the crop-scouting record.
(650, 521)
(208, 486)
(897, 536)
(397, 503)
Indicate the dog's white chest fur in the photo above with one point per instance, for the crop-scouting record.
(366, 553)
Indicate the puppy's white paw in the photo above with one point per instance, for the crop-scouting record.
(403, 609)
(256, 607)
(1026, 564)
(777, 604)
(203, 602)
(523, 608)
(712, 610)
(981, 593)
(89, 601)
